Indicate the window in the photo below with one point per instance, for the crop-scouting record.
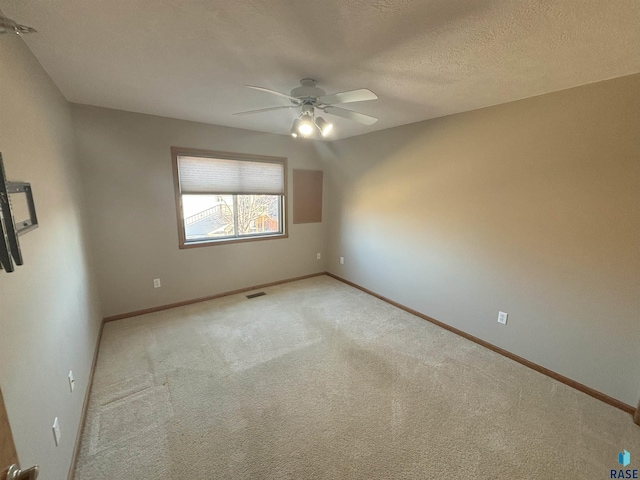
(228, 197)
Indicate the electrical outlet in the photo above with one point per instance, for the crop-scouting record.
(502, 317)
(156, 283)
(341, 260)
(56, 431)
(318, 256)
(72, 380)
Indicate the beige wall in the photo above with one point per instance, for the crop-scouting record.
(127, 172)
(48, 320)
(531, 207)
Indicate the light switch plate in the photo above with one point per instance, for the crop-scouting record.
(502, 317)
(72, 380)
(156, 283)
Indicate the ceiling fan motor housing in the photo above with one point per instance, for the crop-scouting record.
(308, 91)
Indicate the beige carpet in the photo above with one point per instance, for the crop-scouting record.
(317, 380)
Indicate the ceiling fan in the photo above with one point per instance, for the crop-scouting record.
(308, 97)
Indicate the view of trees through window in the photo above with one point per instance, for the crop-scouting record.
(209, 217)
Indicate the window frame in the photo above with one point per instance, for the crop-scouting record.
(182, 241)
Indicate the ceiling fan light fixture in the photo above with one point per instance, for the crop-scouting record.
(294, 128)
(324, 126)
(305, 126)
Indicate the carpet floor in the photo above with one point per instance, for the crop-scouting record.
(318, 380)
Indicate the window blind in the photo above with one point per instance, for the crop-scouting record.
(220, 175)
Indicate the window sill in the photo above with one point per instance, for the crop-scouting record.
(227, 241)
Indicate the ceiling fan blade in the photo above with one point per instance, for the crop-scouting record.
(361, 95)
(284, 95)
(265, 110)
(344, 113)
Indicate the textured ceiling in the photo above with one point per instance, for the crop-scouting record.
(424, 58)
